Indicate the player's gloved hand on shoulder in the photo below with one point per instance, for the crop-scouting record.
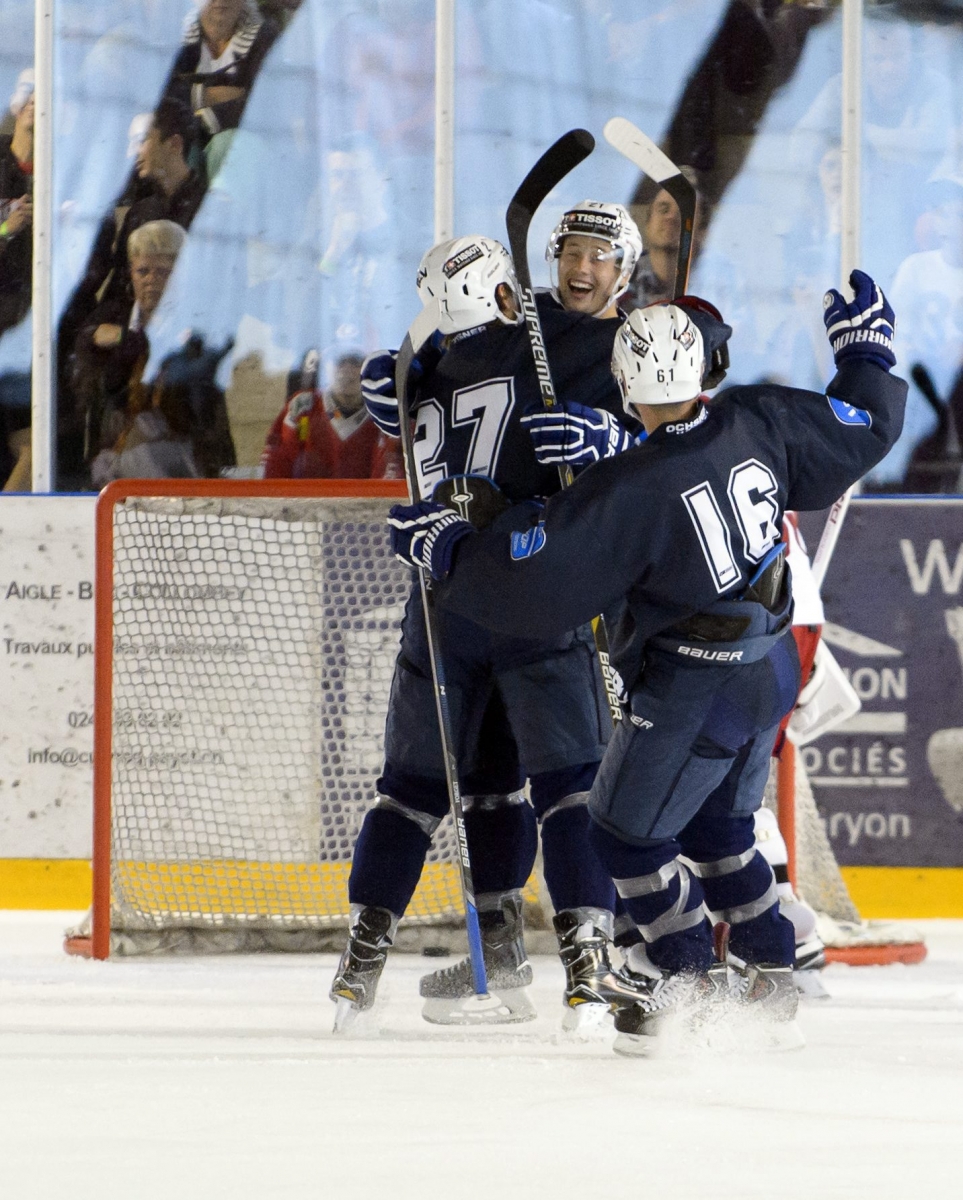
(425, 535)
(378, 389)
(575, 434)
(861, 328)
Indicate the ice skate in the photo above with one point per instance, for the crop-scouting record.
(769, 993)
(356, 981)
(449, 993)
(641, 1026)
(594, 988)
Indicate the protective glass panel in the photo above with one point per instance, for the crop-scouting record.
(16, 241)
(292, 143)
(724, 89)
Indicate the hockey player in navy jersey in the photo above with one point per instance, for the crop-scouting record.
(677, 541)
(529, 706)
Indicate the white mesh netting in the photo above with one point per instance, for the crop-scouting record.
(254, 642)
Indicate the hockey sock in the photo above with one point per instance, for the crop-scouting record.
(738, 884)
(502, 842)
(573, 873)
(388, 857)
(626, 931)
(394, 839)
(662, 897)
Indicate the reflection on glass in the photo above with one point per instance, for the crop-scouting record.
(295, 142)
(16, 243)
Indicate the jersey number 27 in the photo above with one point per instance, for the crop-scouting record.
(483, 410)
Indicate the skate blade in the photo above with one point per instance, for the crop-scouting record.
(642, 1045)
(346, 1012)
(809, 985)
(587, 1019)
(497, 1008)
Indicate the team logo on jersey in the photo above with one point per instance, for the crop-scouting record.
(848, 414)
(461, 260)
(525, 544)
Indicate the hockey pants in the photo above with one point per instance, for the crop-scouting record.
(683, 775)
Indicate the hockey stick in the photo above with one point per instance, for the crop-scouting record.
(560, 158)
(638, 148)
(423, 326)
(830, 536)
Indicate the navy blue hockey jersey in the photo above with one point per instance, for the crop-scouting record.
(684, 519)
(467, 408)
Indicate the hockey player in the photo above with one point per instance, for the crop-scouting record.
(533, 698)
(678, 540)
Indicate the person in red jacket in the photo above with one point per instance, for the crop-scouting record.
(314, 437)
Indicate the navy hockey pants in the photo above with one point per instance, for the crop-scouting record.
(519, 709)
(684, 775)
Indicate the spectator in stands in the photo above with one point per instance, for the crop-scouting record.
(654, 276)
(224, 46)
(928, 287)
(306, 443)
(164, 188)
(112, 349)
(16, 208)
(15, 456)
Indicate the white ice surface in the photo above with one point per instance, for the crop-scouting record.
(220, 1078)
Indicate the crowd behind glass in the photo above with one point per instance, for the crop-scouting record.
(242, 194)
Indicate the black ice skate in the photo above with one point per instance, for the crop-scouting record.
(356, 981)
(593, 986)
(449, 994)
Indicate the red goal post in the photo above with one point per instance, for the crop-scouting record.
(204, 493)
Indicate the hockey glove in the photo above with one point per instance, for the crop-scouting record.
(425, 535)
(378, 390)
(575, 434)
(863, 328)
(715, 335)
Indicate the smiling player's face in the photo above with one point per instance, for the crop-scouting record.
(587, 274)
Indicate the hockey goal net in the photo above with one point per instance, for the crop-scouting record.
(246, 634)
(245, 642)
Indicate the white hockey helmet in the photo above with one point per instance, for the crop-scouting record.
(610, 223)
(658, 357)
(464, 274)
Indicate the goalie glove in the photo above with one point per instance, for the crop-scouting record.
(425, 535)
(862, 328)
(575, 434)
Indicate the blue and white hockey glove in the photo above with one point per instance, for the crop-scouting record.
(575, 434)
(425, 535)
(378, 390)
(863, 328)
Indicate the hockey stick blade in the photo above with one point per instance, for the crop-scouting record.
(560, 158)
(639, 148)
